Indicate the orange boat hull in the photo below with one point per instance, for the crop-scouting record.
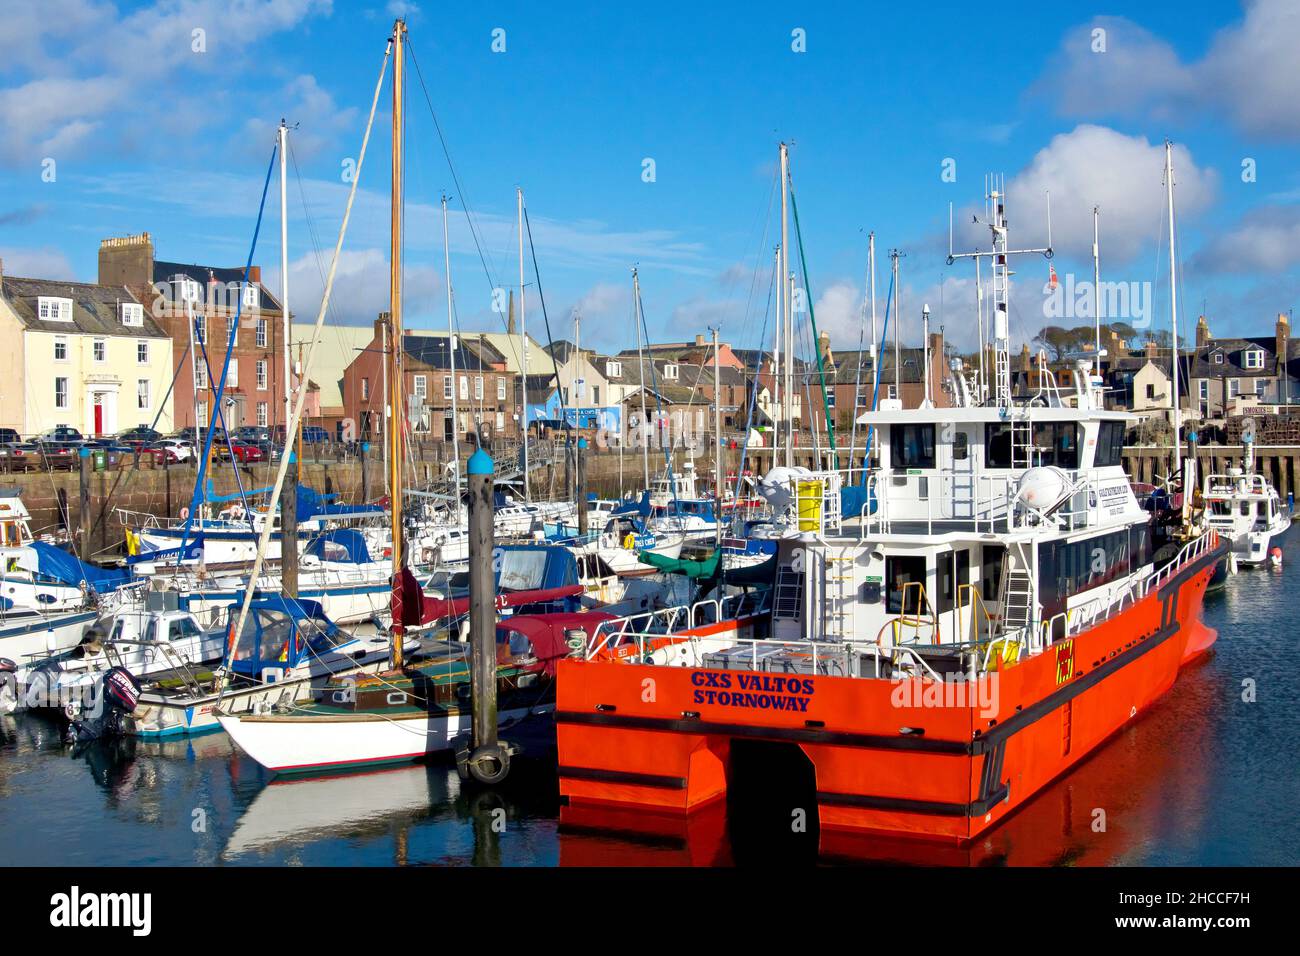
(891, 758)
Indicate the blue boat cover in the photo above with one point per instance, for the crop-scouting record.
(312, 504)
(61, 566)
(350, 539)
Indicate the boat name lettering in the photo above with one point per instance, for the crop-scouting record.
(762, 691)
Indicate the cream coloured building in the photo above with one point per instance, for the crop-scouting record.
(83, 355)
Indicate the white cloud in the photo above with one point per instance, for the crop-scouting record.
(37, 263)
(1094, 166)
(91, 64)
(1247, 75)
(361, 288)
(1265, 240)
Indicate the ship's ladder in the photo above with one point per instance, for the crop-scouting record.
(839, 590)
(1016, 592)
(1022, 439)
(974, 622)
(787, 599)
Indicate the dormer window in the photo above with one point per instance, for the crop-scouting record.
(1254, 358)
(670, 371)
(251, 297)
(53, 309)
(613, 369)
(1218, 358)
(131, 313)
(187, 289)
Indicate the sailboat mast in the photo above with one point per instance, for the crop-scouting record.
(1096, 286)
(717, 438)
(284, 269)
(640, 358)
(395, 317)
(451, 353)
(1173, 302)
(523, 340)
(786, 299)
(898, 362)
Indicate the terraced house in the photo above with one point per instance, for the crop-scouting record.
(79, 354)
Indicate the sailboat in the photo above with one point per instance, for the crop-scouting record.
(413, 708)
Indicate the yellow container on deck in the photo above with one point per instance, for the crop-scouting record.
(808, 495)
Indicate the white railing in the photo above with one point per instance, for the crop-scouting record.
(672, 620)
(984, 503)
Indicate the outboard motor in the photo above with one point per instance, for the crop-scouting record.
(118, 694)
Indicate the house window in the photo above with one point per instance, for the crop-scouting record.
(232, 330)
(365, 389)
(421, 388)
(1218, 358)
(261, 376)
(261, 333)
(1151, 391)
(1261, 386)
(142, 394)
(670, 371)
(1254, 358)
(100, 350)
(613, 369)
(232, 376)
(263, 414)
(60, 348)
(203, 414)
(187, 289)
(251, 298)
(446, 386)
(1234, 388)
(132, 314)
(464, 388)
(478, 388)
(200, 373)
(142, 352)
(60, 393)
(54, 309)
(200, 329)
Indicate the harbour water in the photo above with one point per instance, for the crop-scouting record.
(1193, 782)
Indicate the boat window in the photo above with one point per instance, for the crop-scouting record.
(1110, 445)
(991, 558)
(1066, 568)
(1244, 508)
(952, 570)
(911, 446)
(151, 631)
(960, 447)
(997, 446)
(901, 570)
(518, 643)
(1057, 443)
(117, 630)
(184, 627)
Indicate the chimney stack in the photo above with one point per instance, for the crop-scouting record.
(126, 260)
(699, 340)
(1202, 333)
(1283, 332)
(1151, 350)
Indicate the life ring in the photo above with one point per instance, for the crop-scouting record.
(489, 764)
(630, 541)
(185, 514)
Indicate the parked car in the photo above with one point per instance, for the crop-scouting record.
(61, 435)
(140, 435)
(9, 436)
(311, 435)
(16, 455)
(179, 449)
(242, 451)
(270, 450)
(42, 455)
(253, 433)
(196, 436)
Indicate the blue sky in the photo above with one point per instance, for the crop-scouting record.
(147, 134)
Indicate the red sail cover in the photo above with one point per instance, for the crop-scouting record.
(412, 607)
